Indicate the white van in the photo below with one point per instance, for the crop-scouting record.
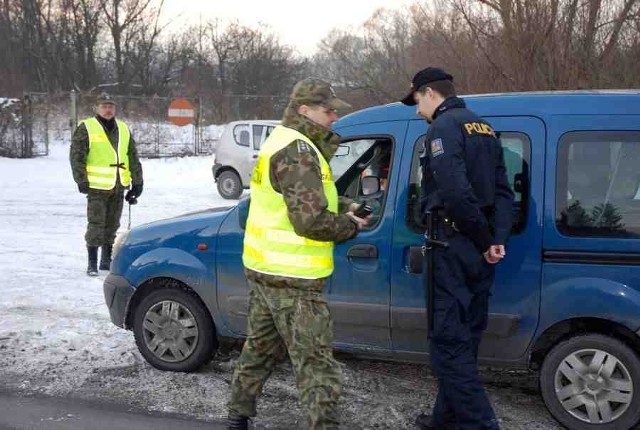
(236, 154)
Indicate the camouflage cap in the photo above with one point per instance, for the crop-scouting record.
(105, 98)
(315, 91)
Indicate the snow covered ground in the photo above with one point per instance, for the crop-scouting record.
(52, 315)
(56, 337)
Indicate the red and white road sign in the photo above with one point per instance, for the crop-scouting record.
(181, 112)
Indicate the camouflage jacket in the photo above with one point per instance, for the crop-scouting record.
(295, 173)
(80, 149)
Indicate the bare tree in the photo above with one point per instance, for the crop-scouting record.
(553, 43)
(369, 66)
(145, 53)
(86, 29)
(11, 48)
(126, 19)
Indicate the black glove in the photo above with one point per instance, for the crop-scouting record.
(132, 195)
(83, 187)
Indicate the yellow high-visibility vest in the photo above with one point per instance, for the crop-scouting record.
(270, 243)
(102, 160)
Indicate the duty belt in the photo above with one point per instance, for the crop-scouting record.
(449, 223)
(446, 220)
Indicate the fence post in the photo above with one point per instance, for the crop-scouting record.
(73, 112)
(158, 125)
(198, 137)
(46, 124)
(27, 124)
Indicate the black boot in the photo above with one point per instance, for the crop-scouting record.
(105, 257)
(425, 422)
(237, 422)
(92, 267)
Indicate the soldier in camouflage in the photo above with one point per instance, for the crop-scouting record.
(104, 162)
(295, 212)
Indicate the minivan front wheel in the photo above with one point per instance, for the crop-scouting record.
(174, 330)
(229, 185)
(592, 381)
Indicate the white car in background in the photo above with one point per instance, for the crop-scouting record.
(236, 154)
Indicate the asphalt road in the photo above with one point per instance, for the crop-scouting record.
(52, 413)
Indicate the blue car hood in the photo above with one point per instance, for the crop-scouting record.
(201, 222)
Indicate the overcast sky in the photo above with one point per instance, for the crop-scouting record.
(300, 24)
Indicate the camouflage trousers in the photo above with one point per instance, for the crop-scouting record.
(104, 209)
(295, 322)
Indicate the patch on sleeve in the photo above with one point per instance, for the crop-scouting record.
(303, 147)
(436, 147)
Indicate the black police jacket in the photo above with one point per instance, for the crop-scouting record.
(464, 174)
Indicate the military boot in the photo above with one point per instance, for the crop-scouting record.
(237, 422)
(105, 257)
(425, 422)
(92, 267)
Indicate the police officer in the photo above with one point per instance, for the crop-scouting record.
(295, 216)
(464, 184)
(104, 162)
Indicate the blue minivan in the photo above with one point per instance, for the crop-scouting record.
(567, 297)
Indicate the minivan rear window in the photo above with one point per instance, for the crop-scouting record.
(598, 186)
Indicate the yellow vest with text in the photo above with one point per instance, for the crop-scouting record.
(102, 160)
(271, 245)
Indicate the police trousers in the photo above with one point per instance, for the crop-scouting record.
(287, 321)
(462, 288)
(104, 209)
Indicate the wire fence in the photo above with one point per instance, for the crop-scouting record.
(19, 120)
(30, 124)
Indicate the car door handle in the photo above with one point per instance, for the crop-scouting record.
(363, 251)
(254, 156)
(415, 258)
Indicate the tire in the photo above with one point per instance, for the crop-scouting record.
(174, 330)
(229, 185)
(604, 390)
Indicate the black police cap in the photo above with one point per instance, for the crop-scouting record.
(423, 77)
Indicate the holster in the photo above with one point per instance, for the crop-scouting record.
(430, 241)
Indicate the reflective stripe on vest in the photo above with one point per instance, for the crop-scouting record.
(271, 244)
(102, 160)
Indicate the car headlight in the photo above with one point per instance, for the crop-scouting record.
(120, 240)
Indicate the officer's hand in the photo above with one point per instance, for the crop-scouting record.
(131, 198)
(359, 222)
(137, 189)
(83, 187)
(132, 195)
(494, 254)
(353, 207)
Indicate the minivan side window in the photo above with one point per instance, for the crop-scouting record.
(242, 134)
(361, 169)
(598, 186)
(517, 157)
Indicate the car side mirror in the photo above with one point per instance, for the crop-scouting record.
(519, 183)
(342, 151)
(370, 185)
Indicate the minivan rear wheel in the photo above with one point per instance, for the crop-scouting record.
(229, 185)
(592, 381)
(174, 330)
